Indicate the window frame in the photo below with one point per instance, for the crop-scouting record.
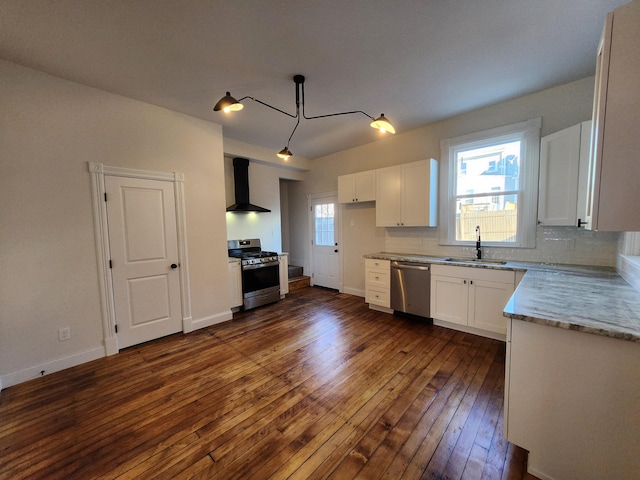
(528, 132)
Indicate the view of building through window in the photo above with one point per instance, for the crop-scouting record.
(487, 190)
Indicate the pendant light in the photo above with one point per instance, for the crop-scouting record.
(229, 104)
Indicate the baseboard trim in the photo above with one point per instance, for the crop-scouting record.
(211, 320)
(52, 366)
(354, 291)
(467, 329)
(378, 308)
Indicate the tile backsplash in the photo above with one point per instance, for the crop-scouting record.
(628, 265)
(567, 245)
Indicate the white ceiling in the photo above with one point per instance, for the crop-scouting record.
(416, 61)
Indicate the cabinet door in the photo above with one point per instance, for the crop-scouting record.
(365, 185)
(415, 195)
(559, 169)
(420, 193)
(388, 196)
(235, 285)
(284, 274)
(357, 187)
(583, 174)
(614, 169)
(488, 300)
(449, 299)
(347, 188)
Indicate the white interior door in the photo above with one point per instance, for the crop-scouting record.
(141, 215)
(324, 248)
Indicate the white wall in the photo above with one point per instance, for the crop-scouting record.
(284, 214)
(264, 191)
(559, 108)
(49, 129)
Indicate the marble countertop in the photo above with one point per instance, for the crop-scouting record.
(583, 298)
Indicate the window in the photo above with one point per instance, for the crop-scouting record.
(492, 182)
(324, 215)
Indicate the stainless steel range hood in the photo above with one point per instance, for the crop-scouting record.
(241, 187)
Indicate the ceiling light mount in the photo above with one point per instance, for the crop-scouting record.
(229, 104)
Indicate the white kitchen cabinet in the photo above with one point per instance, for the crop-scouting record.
(471, 299)
(377, 283)
(571, 400)
(284, 274)
(357, 187)
(406, 195)
(614, 167)
(564, 162)
(235, 284)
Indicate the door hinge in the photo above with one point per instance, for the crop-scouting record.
(116, 328)
(110, 264)
(105, 196)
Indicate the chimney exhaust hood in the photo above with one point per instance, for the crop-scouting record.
(241, 187)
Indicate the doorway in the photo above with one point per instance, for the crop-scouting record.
(142, 254)
(325, 234)
(143, 244)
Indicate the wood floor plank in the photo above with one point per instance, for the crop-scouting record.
(315, 386)
(414, 456)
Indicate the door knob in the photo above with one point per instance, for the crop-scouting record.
(336, 250)
(174, 266)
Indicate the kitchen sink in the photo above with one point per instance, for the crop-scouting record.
(474, 260)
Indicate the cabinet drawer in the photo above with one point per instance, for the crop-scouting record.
(373, 263)
(377, 277)
(378, 296)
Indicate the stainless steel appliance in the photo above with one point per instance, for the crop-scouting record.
(260, 272)
(411, 288)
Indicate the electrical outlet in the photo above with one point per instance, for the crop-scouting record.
(64, 334)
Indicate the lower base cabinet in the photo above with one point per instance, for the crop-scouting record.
(377, 283)
(471, 298)
(284, 274)
(572, 401)
(235, 284)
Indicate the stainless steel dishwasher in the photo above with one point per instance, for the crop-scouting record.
(411, 288)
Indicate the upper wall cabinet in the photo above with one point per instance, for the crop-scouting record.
(564, 162)
(614, 167)
(357, 187)
(406, 195)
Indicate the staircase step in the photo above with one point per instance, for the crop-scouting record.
(295, 271)
(296, 283)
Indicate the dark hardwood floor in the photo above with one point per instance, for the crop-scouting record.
(315, 386)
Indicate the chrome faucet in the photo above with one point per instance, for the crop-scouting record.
(478, 246)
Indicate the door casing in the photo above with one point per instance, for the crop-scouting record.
(311, 198)
(97, 172)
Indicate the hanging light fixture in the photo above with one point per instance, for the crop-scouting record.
(285, 153)
(229, 104)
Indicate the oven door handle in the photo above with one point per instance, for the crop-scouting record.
(256, 266)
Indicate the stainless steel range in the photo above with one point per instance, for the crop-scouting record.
(260, 272)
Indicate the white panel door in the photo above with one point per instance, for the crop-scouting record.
(324, 250)
(144, 254)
